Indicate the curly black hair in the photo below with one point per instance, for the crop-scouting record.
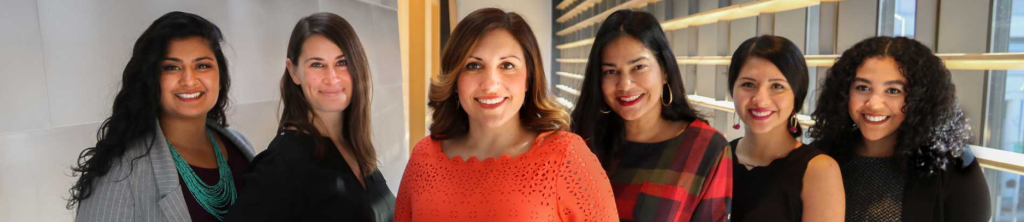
(137, 103)
(935, 132)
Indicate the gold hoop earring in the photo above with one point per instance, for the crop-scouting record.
(669, 96)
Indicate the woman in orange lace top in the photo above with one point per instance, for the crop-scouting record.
(499, 149)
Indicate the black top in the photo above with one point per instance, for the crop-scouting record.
(771, 193)
(287, 183)
(237, 163)
(874, 189)
(959, 193)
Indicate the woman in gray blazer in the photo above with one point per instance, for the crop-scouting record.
(165, 153)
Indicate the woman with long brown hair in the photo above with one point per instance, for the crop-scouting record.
(499, 149)
(322, 165)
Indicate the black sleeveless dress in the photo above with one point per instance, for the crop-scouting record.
(771, 193)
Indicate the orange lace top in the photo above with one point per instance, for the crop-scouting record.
(558, 179)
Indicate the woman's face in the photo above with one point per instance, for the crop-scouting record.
(492, 85)
(189, 79)
(877, 97)
(631, 79)
(763, 98)
(322, 71)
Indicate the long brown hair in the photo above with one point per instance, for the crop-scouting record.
(297, 111)
(539, 111)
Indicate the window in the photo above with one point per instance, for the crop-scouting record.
(1005, 107)
(898, 17)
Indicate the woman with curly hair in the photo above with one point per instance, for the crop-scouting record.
(776, 177)
(888, 113)
(166, 152)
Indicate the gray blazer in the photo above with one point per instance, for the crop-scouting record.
(146, 189)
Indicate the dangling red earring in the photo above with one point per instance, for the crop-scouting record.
(793, 122)
(735, 119)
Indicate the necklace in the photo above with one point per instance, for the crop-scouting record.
(216, 198)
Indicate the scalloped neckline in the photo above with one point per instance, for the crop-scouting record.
(504, 157)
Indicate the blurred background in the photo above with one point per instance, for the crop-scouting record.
(61, 61)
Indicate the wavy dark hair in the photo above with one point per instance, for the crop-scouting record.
(605, 133)
(298, 113)
(784, 55)
(935, 132)
(137, 104)
(539, 112)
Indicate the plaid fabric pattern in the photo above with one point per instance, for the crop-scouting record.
(688, 179)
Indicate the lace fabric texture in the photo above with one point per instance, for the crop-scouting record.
(558, 179)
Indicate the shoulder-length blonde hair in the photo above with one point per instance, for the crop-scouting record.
(539, 111)
(297, 112)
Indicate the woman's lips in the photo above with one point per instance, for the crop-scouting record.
(490, 102)
(760, 114)
(630, 100)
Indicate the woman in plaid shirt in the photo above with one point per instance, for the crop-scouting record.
(665, 163)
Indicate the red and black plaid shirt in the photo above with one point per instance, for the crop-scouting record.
(687, 178)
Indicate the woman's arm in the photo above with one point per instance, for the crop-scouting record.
(823, 195)
(112, 197)
(716, 198)
(584, 192)
(967, 196)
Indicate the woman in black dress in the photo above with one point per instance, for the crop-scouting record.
(777, 178)
(322, 165)
(888, 112)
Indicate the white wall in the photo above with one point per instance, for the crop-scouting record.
(60, 61)
(537, 14)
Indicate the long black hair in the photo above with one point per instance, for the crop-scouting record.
(935, 132)
(137, 104)
(784, 55)
(605, 133)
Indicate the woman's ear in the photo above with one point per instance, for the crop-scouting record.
(291, 72)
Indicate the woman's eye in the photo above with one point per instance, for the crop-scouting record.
(862, 88)
(747, 84)
(893, 91)
(506, 66)
(639, 67)
(316, 65)
(610, 72)
(473, 66)
(171, 68)
(342, 63)
(778, 86)
(203, 66)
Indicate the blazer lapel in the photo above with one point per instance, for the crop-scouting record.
(172, 202)
(235, 139)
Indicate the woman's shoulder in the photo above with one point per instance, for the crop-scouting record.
(817, 163)
(426, 146)
(808, 153)
(561, 140)
(288, 146)
(705, 133)
(238, 139)
(561, 145)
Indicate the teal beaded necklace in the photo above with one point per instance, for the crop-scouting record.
(216, 198)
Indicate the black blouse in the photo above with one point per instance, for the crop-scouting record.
(287, 183)
(771, 193)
